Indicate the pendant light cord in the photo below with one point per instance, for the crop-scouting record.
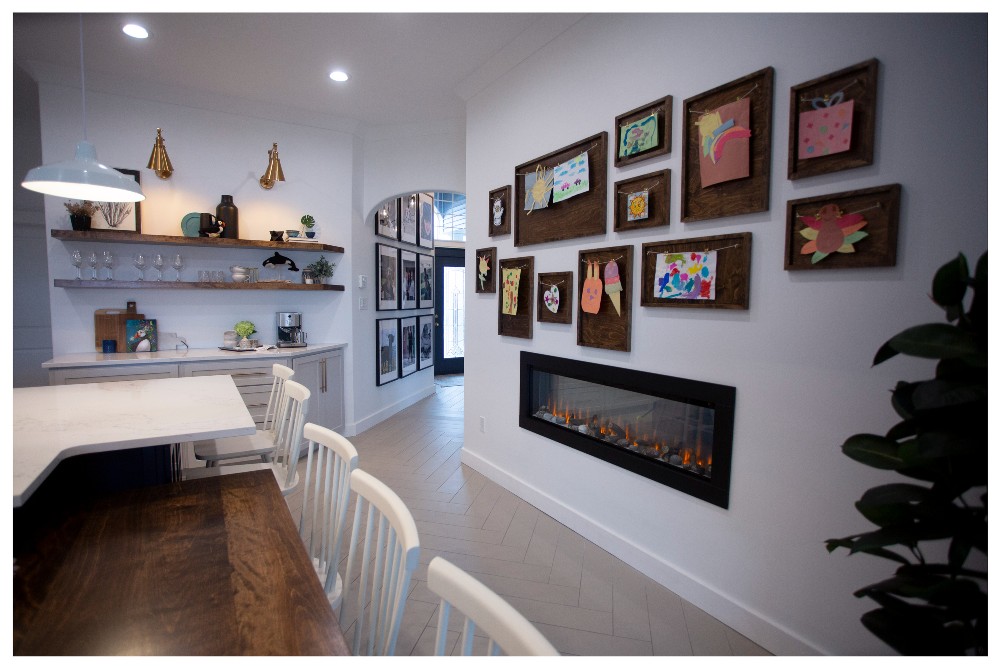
(83, 82)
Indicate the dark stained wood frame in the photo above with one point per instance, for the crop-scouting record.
(658, 184)
(876, 250)
(566, 291)
(606, 329)
(741, 196)
(664, 108)
(491, 275)
(504, 227)
(519, 325)
(859, 83)
(581, 216)
(732, 288)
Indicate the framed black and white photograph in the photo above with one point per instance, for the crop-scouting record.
(425, 339)
(386, 350)
(408, 206)
(388, 277)
(118, 215)
(425, 281)
(407, 345)
(386, 219)
(407, 279)
(425, 219)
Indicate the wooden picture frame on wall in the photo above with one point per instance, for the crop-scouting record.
(630, 150)
(728, 271)
(517, 324)
(866, 220)
(653, 211)
(561, 298)
(847, 94)
(610, 327)
(581, 216)
(735, 195)
(500, 211)
(486, 281)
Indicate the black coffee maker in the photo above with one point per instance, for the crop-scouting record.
(290, 333)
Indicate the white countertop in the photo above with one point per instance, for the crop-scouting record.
(52, 423)
(97, 359)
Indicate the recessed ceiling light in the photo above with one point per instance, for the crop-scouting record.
(135, 30)
(339, 75)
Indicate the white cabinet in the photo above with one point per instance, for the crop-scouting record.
(71, 375)
(323, 374)
(253, 378)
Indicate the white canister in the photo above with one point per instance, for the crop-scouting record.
(230, 339)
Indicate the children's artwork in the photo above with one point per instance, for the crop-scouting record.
(685, 276)
(537, 188)
(408, 219)
(386, 219)
(140, 335)
(484, 271)
(425, 352)
(425, 281)
(425, 219)
(387, 353)
(639, 136)
(388, 281)
(497, 210)
(590, 298)
(571, 178)
(724, 136)
(831, 231)
(408, 345)
(408, 279)
(511, 284)
(551, 299)
(826, 129)
(638, 205)
(486, 276)
(613, 285)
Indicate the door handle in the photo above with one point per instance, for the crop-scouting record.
(437, 323)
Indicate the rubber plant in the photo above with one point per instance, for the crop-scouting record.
(932, 521)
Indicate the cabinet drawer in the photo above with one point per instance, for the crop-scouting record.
(71, 375)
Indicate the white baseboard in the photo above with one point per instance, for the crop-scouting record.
(766, 633)
(368, 422)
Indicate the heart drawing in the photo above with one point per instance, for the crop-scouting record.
(551, 299)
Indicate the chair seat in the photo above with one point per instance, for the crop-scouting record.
(259, 444)
(221, 470)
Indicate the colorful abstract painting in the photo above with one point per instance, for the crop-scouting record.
(826, 130)
(571, 178)
(638, 205)
(685, 276)
(831, 231)
(140, 335)
(724, 139)
(639, 136)
(511, 283)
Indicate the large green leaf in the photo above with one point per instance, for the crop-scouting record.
(938, 340)
(914, 632)
(873, 450)
(848, 543)
(950, 282)
(892, 504)
(942, 393)
(962, 598)
(978, 309)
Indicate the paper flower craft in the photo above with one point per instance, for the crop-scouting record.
(831, 231)
(484, 268)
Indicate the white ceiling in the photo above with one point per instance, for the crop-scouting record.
(405, 68)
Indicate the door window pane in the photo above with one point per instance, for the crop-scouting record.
(449, 217)
(453, 306)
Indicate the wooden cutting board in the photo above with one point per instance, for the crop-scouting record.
(110, 324)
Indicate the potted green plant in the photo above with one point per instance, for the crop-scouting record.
(308, 222)
(80, 214)
(322, 269)
(930, 516)
(244, 329)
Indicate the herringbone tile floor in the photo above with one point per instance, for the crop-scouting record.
(582, 598)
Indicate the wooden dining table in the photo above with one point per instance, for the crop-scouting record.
(210, 566)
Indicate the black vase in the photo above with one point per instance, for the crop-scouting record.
(227, 211)
(79, 221)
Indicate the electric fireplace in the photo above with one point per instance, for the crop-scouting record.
(675, 431)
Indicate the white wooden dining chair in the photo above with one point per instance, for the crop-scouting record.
(508, 630)
(386, 563)
(330, 460)
(260, 444)
(288, 442)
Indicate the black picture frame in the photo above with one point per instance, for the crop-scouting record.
(407, 345)
(387, 277)
(386, 350)
(408, 219)
(425, 341)
(133, 220)
(407, 279)
(387, 219)
(425, 281)
(425, 220)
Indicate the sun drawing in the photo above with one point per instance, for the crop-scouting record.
(539, 192)
(637, 206)
(831, 231)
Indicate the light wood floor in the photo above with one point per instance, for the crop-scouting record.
(583, 599)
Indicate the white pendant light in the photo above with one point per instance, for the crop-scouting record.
(82, 177)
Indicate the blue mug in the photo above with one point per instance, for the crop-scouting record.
(109, 346)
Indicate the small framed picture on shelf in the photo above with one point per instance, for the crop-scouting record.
(140, 335)
(408, 218)
(386, 219)
(407, 279)
(407, 345)
(124, 216)
(386, 350)
(425, 339)
(425, 220)
(425, 281)
(388, 283)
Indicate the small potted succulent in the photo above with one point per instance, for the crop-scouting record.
(322, 269)
(80, 213)
(308, 222)
(244, 329)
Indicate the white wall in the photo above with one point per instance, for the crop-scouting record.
(800, 357)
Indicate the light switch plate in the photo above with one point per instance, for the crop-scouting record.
(362, 280)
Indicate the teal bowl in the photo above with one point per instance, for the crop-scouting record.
(292, 233)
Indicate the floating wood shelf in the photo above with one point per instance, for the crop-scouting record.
(187, 285)
(126, 237)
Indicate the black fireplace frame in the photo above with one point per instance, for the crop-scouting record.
(722, 399)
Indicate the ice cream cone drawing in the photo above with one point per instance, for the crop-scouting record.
(613, 285)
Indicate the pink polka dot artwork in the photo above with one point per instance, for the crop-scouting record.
(826, 130)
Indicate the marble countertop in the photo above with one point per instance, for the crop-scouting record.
(97, 359)
(52, 423)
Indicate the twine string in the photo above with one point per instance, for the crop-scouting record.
(546, 167)
(721, 248)
(695, 111)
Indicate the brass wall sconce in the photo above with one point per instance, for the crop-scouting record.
(273, 172)
(159, 161)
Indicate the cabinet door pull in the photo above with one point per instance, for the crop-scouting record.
(322, 371)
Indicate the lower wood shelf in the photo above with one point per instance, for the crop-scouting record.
(197, 285)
